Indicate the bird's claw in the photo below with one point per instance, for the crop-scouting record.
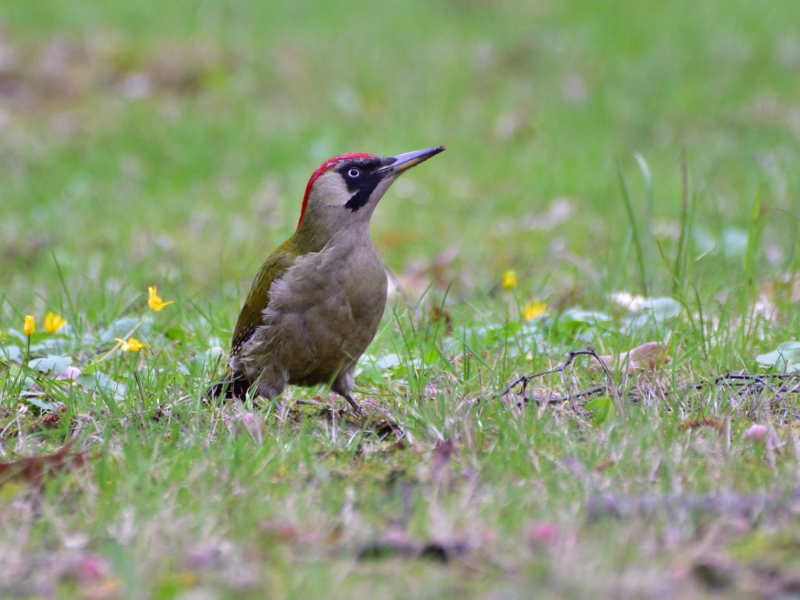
(356, 406)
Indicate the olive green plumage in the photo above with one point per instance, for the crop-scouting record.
(255, 303)
(316, 303)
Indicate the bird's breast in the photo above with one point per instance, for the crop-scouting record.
(332, 300)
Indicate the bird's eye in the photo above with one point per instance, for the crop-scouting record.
(353, 173)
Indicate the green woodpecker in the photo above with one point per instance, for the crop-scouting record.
(316, 302)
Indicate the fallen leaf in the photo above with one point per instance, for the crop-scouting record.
(70, 372)
(703, 422)
(645, 357)
(437, 315)
(761, 434)
(603, 465)
(33, 469)
(52, 417)
(254, 425)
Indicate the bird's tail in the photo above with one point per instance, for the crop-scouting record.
(232, 385)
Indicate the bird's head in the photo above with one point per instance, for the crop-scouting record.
(345, 189)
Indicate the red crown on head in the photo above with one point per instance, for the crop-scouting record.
(322, 169)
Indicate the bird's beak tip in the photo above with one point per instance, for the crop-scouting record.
(407, 160)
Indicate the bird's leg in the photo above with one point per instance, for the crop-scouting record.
(343, 384)
(356, 406)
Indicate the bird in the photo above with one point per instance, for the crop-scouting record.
(316, 303)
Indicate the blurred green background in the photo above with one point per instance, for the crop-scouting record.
(170, 142)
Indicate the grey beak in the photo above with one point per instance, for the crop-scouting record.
(409, 159)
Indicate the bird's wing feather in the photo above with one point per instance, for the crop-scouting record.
(258, 298)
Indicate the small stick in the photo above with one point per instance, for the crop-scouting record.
(561, 368)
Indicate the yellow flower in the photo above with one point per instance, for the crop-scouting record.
(30, 325)
(154, 301)
(53, 322)
(533, 309)
(509, 280)
(130, 345)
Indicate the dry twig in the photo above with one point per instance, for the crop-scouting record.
(524, 380)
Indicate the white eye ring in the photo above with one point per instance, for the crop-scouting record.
(353, 173)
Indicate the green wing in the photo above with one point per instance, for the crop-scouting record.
(258, 298)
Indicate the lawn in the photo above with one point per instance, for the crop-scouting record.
(635, 165)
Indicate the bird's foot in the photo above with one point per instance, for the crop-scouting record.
(228, 387)
(356, 406)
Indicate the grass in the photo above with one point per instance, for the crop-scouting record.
(168, 144)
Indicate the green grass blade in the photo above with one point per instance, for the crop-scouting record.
(749, 287)
(647, 229)
(680, 256)
(634, 230)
